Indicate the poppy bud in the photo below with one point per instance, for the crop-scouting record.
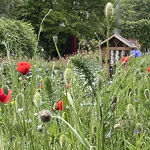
(69, 147)
(118, 125)
(131, 110)
(45, 116)
(5, 89)
(62, 140)
(54, 106)
(109, 10)
(146, 93)
(64, 116)
(47, 84)
(68, 75)
(37, 99)
(139, 127)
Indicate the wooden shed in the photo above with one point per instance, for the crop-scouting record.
(118, 48)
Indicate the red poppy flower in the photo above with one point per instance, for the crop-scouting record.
(59, 105)
(4, 98)
(148, 69)
(23, 67)
(124, 59)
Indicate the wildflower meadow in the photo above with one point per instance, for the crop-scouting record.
(75, 105)
(62, 88)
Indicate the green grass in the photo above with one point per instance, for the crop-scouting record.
(95, 115)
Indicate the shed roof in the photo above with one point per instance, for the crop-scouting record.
(122, 39)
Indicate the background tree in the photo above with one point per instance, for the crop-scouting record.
(135, 21)
(68, 17)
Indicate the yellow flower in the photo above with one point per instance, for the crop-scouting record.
(35, 90)
(12, 102)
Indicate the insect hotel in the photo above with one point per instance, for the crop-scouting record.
(118, 48)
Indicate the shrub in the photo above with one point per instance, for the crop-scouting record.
(18, 36)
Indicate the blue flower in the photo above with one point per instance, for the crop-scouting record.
(30, 72)
(136, 53)
(109, 82)
(47, 69)
(136, 131)
(12, 54)
(38, 83)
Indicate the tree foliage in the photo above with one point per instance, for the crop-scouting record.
(67, 18)
(135, 20)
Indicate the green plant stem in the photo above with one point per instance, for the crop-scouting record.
(98, 120)
(41, 30)
(107, 49)
(57, 50)
(86, 145)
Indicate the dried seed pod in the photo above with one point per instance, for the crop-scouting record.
(45, 116)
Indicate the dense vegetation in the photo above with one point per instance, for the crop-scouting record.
(17, 37)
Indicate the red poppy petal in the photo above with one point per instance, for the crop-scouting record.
(59, 105)
(8, 97)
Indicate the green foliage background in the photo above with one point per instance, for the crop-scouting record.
(135, 21)
(18, 36)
